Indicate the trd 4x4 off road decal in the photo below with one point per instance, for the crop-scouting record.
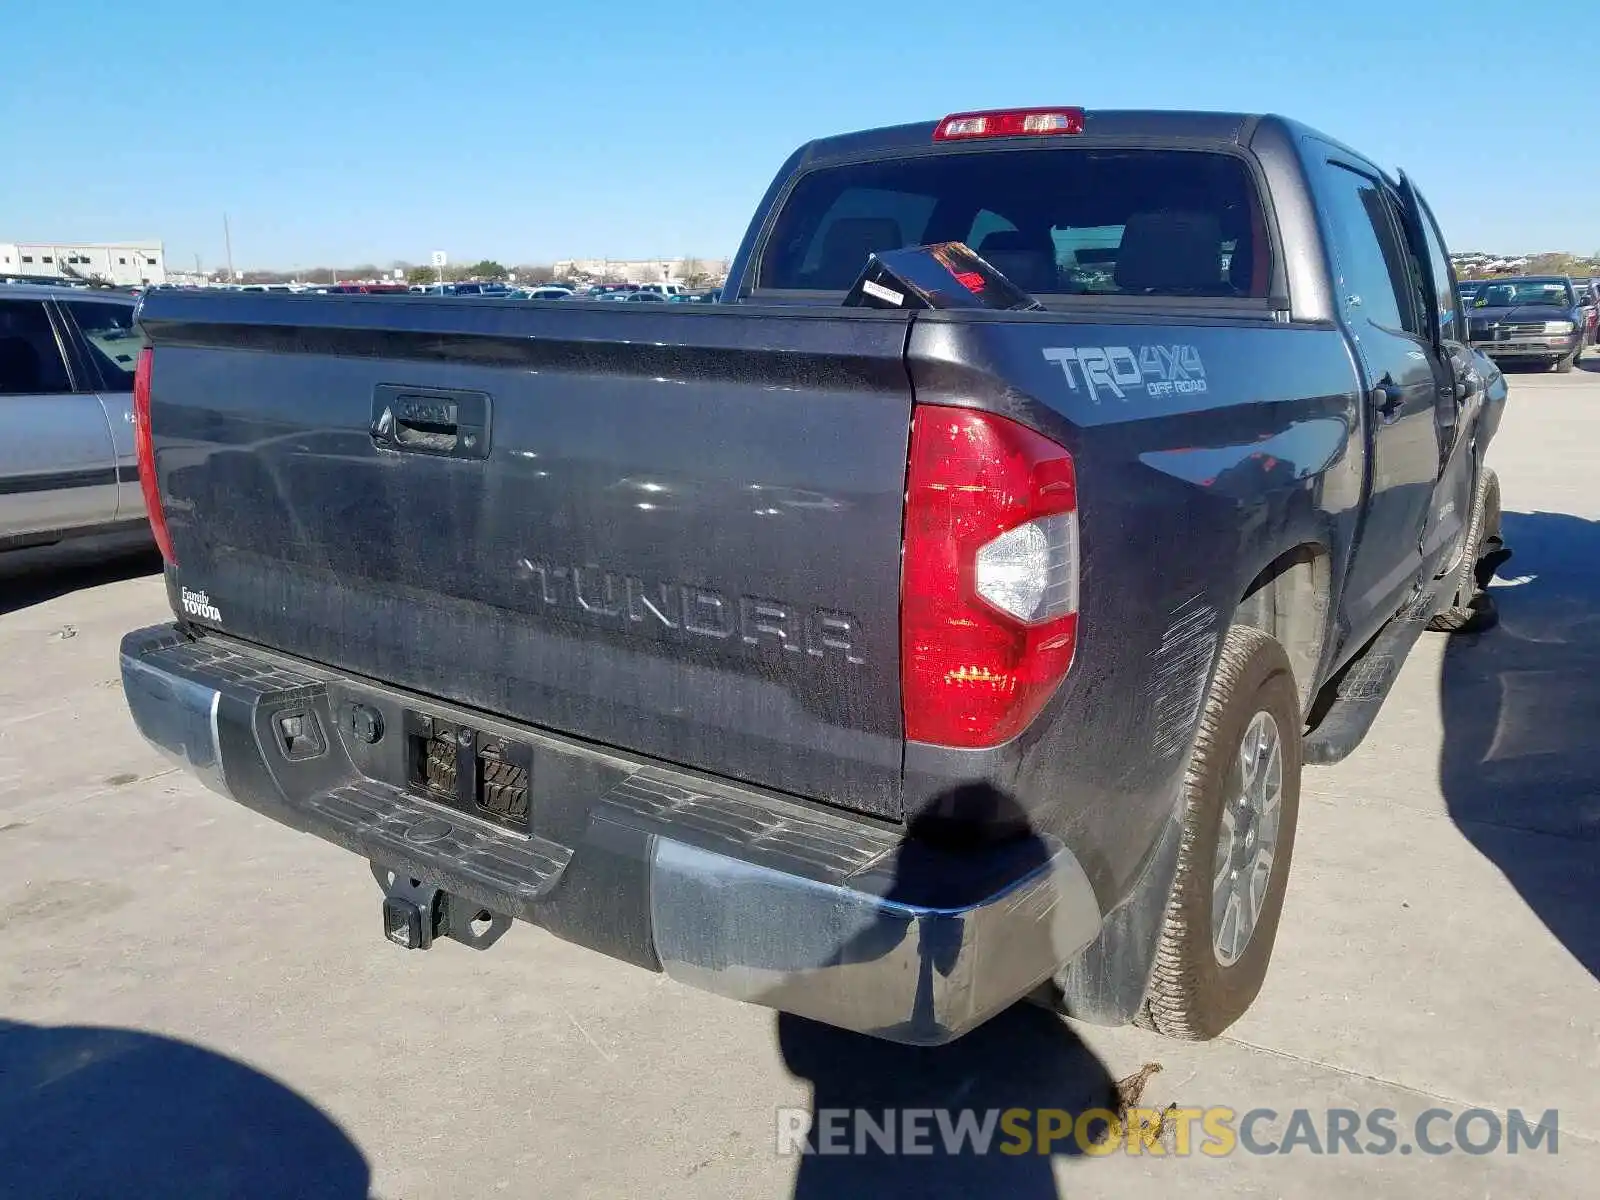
(1157, 370)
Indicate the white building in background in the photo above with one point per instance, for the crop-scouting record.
(647, 270)
(116, 262)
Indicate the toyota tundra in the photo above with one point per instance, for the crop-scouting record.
(881, 663)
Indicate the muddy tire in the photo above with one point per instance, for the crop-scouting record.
(1471, 609)
(1241, 794)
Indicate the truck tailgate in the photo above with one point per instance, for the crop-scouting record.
(666, 529)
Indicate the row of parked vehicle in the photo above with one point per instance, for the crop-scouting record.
(675, 293)
(1547, 319)
(655, 293)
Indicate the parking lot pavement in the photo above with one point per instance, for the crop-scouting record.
(194, 1001)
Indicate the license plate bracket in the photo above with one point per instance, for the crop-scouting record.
(470, 770)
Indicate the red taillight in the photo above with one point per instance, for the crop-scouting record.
(989, 583)
(1010, 122)
(146, 447)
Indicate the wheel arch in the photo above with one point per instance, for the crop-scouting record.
(1290, 600)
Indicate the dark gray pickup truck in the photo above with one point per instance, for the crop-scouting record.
(880, 666)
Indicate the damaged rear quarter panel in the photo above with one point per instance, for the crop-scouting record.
(1204, 449)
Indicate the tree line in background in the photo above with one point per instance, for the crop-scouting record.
(695, 273)
(1542, 264)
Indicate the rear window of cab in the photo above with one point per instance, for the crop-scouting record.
(1059, 222)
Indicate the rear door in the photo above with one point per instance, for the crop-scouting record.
(110, 341)
(1378, 290)
(57, 466)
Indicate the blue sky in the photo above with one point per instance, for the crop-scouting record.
(344, 131)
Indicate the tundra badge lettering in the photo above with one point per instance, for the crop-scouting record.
(667, 608)
(198, 604)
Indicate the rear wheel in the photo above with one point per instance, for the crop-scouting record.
(1471, 609)
(1241, 802)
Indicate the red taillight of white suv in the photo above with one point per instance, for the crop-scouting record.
(989, 580)
(145, 446)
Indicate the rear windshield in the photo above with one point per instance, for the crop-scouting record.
(1055, 222)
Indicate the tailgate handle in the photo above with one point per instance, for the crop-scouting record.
(437, 421)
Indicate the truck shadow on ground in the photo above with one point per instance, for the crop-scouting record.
(34, 576)
(1025, 1058)
(115, 1112)
(1520, 768)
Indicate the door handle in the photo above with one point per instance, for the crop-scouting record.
(413, 433)
(1387, 399)
(449, 423)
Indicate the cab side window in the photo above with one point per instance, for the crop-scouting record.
(1452, 324)
(1369, 261)
(30, 355)
(1412, 259)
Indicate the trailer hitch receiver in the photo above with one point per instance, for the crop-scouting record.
(416, 914)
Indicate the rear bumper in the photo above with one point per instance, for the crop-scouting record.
(738, 892)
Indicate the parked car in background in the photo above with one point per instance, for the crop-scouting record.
(1529, 319)
(1468, 290)
(361, 289)
(549, 292)
(646, 295)
(664, 289)
(464, 288)
(68, 466)
(470, 287)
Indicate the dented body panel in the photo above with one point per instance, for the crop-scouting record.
(705, 569)
(1184, 498)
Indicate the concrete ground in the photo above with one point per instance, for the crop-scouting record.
(195, 1001)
